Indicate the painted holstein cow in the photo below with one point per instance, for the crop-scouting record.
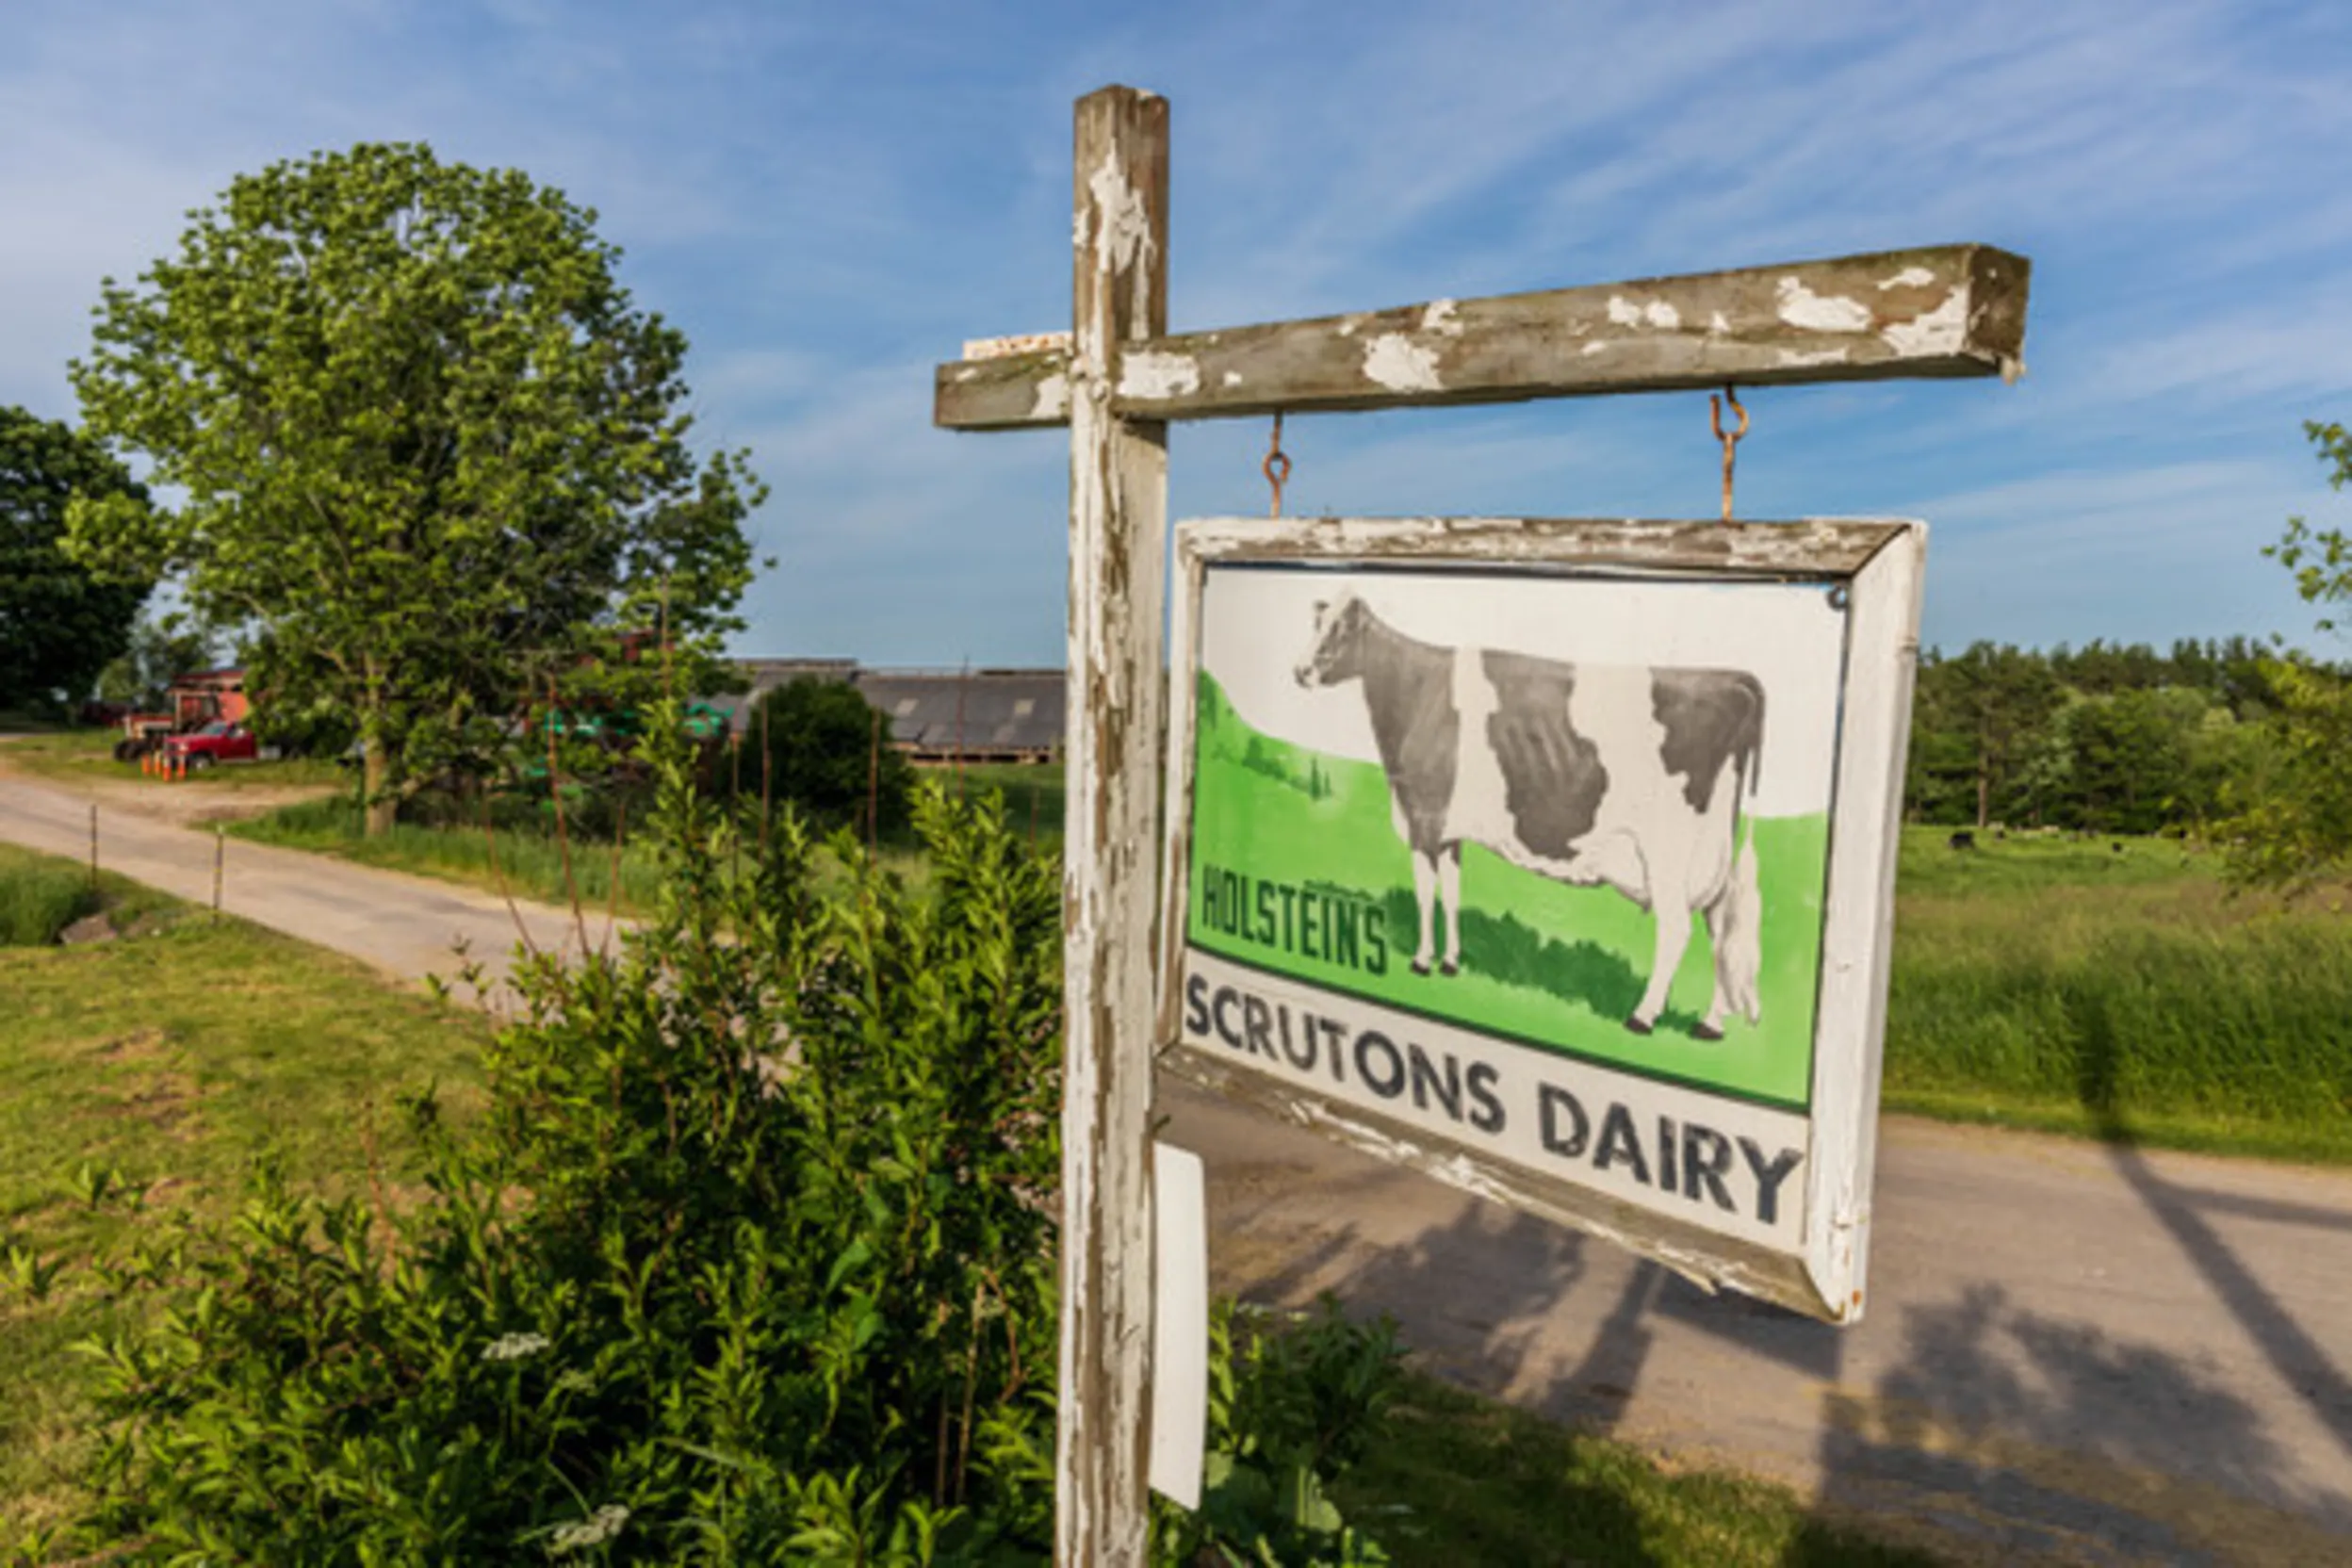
(1591, 775)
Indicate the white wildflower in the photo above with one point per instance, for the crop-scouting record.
(595, 1530)
(514, 1346)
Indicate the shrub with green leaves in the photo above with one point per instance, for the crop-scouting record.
(1291, 1410)
(750, 1259)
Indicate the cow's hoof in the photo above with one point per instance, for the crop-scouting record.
(1706, 1031)
(1636, 1026)
(1449, 967)
(1420, 966)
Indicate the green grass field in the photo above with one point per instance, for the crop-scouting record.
(2069, 986)
(149, 1071)
(1544, 963)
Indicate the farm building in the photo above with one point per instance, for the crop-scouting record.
(969, 716)
(984, 715)
(206, 695)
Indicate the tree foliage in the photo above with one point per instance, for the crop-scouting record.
(433, 453)
(60, 622)
(159, 649)
(2297, 828)
(827, 751)
(2111, 738)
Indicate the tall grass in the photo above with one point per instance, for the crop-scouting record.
(519, 854)
(529, 861)
(2131, 995)
(38, 899)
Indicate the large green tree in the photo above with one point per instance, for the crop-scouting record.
(60, 623)
(1990, 700)
(434, 456)
(2297, 825)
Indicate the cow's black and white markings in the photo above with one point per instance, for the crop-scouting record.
(1592, 775)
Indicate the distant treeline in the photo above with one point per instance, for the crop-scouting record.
(2107, 738)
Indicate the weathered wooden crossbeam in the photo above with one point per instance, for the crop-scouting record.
(1949, 310)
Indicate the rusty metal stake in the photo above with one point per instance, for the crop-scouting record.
(1730, 441)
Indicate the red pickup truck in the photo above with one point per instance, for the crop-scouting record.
(218, 741)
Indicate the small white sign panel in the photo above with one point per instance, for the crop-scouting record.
(1180, 1326)
(1554, 857)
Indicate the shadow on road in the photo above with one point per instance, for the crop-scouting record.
(2183, 1211)
(2051, 1439)
(2034, 1438)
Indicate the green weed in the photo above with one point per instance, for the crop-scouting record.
(38, 899)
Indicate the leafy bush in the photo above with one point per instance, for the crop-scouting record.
(750, 1259)
(827, 752)
(39, 900)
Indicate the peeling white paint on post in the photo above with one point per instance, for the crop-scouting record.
(1149, 375)
(1399, 363)
(1801, 307)
(1118, 544)
(1053, 401)
(1656, 314)
(1933, 331)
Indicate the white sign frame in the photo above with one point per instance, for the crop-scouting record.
(1821, 1270)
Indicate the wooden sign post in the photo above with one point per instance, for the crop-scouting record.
(1117, 379)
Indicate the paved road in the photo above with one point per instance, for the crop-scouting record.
(2074, 1352)
(408, 925)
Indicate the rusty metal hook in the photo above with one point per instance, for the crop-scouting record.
(1277, 465)
(1731, 441)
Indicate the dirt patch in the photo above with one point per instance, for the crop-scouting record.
(140, 1045)
(146, 1082)
(164, 1186)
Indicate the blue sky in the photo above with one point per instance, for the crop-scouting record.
(828, 199)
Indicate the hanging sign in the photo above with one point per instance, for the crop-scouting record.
(1554, 859)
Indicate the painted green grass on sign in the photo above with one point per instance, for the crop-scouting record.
(1543, 962)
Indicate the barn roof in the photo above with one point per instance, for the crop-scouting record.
(933, 713)
(956, 712)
